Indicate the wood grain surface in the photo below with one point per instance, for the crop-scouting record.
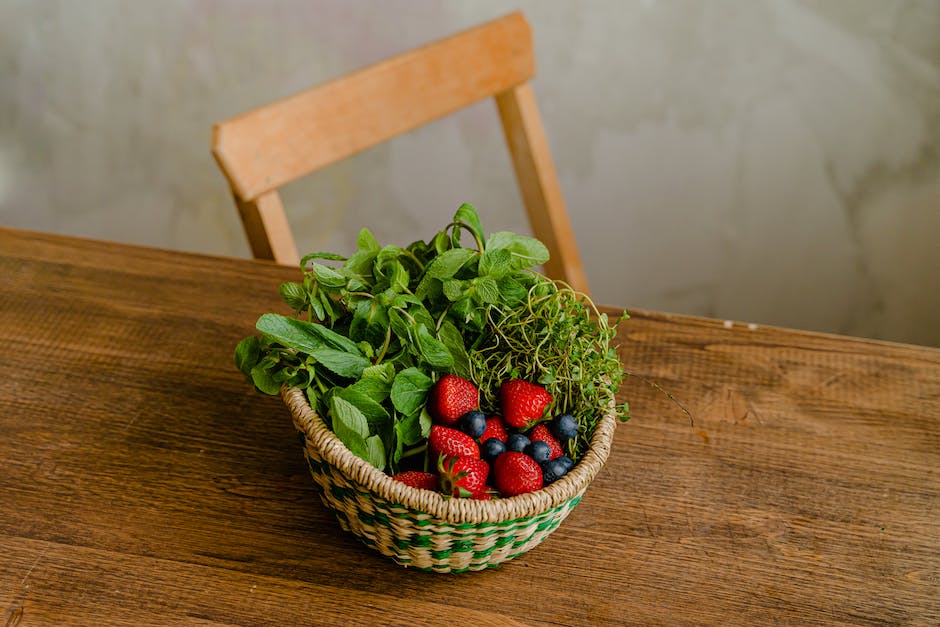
(142, 481)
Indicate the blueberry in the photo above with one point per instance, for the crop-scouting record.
(565, 427)
(566, 461)
(517, 442)
(553, 470)
(539, 451)
(473, 423)
(492, 448)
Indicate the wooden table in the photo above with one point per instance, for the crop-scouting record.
(142, 481)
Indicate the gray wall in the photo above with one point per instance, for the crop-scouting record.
(766, 161)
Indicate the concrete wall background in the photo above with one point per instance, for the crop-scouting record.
(771, 161)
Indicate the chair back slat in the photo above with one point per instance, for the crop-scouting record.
(270, 146)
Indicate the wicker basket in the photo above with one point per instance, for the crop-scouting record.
(423, 529)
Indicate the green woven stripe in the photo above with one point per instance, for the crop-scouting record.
(483, 554)
(461, 546)
(418, 542)
(338, 493)
(383, 519)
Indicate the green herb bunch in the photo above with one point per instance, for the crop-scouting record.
(557, 338)
(373, 331)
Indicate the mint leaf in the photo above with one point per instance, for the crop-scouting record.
(374, 388)
(354, 441)
(317, 307)
(369, 322)
(511, 290)
(387, 255)
(303, 336)
(424, 419)
(350, 426)
(448, 263)
(408, 430)
(525, 251)
(398, 278)
(264, 380)
(496, 263)
(294, 295)
(247, 354)
(342, 363)
(375, 414)
(328, 256)
(375, 452)
(290, 332)
(453, 289)
(332, 338)
(359, 264)
(454, 342)
(381, 372)
(410, 390)
(367, 242)
(347, 419)
(468, 313)
(467, 214)
(441, 243)
(432, 349)
(326, 276)
(487, 289)
(400, 326)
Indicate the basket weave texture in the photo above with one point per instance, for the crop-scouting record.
(423, 529)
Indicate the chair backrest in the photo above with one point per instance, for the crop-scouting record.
(268, 147)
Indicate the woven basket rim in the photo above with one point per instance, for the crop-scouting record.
(433, 505)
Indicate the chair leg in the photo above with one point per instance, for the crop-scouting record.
(266, 226)
(538, 184)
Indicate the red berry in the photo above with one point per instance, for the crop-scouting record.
(495, 428)
(523, 402)
(417, 479)
(451, 398)
(463, 476)
(516, 473)
(542, 433)
(447, 442)
(482, 495)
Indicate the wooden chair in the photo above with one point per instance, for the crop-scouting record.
(270, 146)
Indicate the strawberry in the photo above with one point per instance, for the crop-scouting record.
(417, 479)
(447, 442)
(482, 495)
(495, 428)
(516, 473)
(463, 476)
(541, 433)
(522, 402)
(451, 398)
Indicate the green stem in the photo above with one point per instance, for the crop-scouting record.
(467, 228)
(388, 339)
(440, 320)
(414, 451)
(406, 314)
(414, 258)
